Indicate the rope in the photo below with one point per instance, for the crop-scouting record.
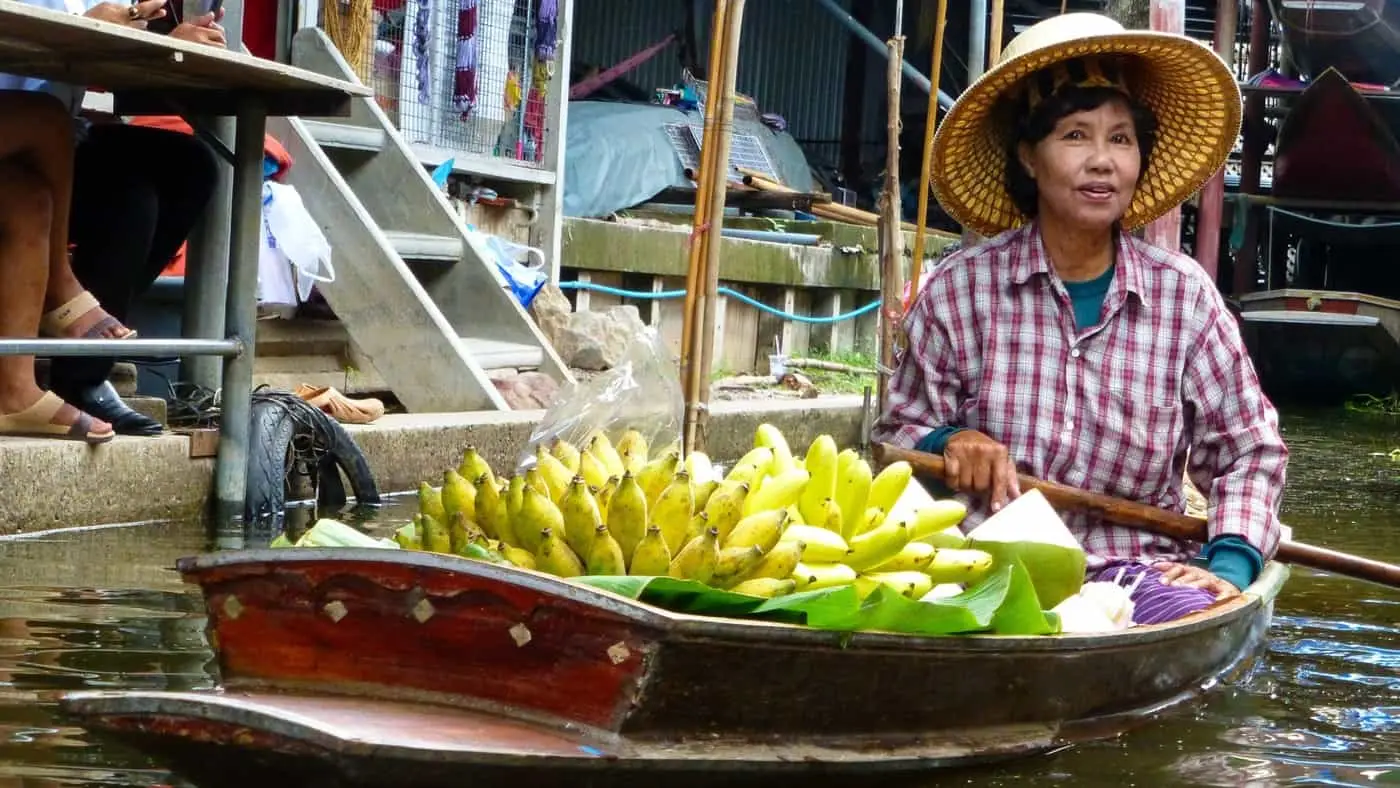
(1330, 223)
(759, 305)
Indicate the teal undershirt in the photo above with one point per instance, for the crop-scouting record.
(1230, 557)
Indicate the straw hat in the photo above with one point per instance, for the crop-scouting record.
(1187, 86)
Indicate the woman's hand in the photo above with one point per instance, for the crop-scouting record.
(1195, 577)
(203, 29)
(975, 463)
(134, 16)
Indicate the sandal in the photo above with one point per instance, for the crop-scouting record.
(340, 407)
(53, 323)
(36, 421)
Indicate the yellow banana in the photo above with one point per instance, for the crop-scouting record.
(566, 453)
(932, 520)
(959, 566)
(537, 513)
(491, 511)
(435, 535)
(651, 558)
(602, 448)
(673, 510)
(593, 470)
(698, 465)
(820, 462)
(519, 556)
(605, 494)
(473, 466)
(534, 478)
(778, 562)
(778, 491)
(696, 561)
(726, 506)
(832, 517)
(700, 492)
(733, 565)
(657, 474)
(581, 516)
(773, 438)
(514, 494)
(813, 577)
(408, 535)
(852, 491)
(556, 475)
(765, 587)
(752, 466)
(823, 546)
(914, 556)
(875, 547)
(430, 502)
(762, 530)
(889, 485)
(699, 524)
(605, 556)
(555, 557)
(632, 448)
(458, 495)
(911, 584)
(872, 519)
(461, 532)
(627, 515)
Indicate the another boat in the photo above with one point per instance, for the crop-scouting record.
(1328, 116)
(384, 667)
(1360, 38)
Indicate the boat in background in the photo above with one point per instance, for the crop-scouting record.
(1360, 38)
(354, 666)
(1327, 326)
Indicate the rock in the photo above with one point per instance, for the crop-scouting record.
(598, 340)
(528, 390)
(123, 378)
(551, 311)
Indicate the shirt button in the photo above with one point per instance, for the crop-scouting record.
(1069, 425)
(1075, 352)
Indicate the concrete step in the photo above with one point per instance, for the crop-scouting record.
(496, 354)
(424, 247)
(344, 136)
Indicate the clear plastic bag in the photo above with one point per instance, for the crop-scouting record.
(642, 393)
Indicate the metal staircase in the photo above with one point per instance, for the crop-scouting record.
(421, 303)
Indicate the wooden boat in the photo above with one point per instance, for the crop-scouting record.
(1360, 38)
(384, 667)
(1327, 116)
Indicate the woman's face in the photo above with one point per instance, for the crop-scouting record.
(1087, 167)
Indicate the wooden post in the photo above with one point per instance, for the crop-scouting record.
(891, 214)
(916, 264)
(1252, 160)
(1167, 16)
(1208, 219)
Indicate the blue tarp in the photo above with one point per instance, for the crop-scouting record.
(619, 155)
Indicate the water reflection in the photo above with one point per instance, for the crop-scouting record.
(104, 609)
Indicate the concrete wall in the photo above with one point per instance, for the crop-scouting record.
(59, 484)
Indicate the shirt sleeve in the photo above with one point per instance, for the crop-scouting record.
(1238, 458)
(923, 392)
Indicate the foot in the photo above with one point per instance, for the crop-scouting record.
(103, 402)
(81, 317)
(33, 412)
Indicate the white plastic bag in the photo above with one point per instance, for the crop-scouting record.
(519, 274)
(295, 254)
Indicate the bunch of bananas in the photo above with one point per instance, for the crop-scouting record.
(773, 525)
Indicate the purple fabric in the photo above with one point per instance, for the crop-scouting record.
(464, 86)
(546, 29)
(1154, 602)
(421, 34)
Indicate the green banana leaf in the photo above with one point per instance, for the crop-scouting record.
(1003, 603)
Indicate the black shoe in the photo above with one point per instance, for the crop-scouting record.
(103, 402)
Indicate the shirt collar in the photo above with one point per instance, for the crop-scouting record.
(1030, 258)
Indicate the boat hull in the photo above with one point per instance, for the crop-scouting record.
(609, 690)
(1321, 347)
(1358, 38)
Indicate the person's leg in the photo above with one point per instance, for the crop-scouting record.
(1154, 602)
(35, 152)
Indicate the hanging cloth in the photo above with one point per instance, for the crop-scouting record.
(464, 92)
(422, 39)
(546, 30)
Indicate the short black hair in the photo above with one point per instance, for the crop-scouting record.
(1033, 126)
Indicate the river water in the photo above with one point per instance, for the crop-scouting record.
(100, 609)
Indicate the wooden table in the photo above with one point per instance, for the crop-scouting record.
(152, 74)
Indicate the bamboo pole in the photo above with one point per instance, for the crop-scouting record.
(891, 226)
(704, 185)
(698, 410)
(994, 38)
(833, 211)
(916, 265)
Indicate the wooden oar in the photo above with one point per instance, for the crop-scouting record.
(1157, 520)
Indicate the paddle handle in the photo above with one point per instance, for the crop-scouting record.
(1157, 520)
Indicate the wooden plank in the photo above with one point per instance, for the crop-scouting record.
(149, 68)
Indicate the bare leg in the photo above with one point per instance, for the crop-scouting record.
(35, 148)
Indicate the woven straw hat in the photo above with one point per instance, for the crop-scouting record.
(1187, 86)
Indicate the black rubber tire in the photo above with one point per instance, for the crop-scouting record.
(276, 423)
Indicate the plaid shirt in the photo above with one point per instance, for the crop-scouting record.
(1113, 408)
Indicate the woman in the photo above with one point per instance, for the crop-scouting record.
(132, 198)
(1064, 347)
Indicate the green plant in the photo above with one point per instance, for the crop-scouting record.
(1376, 406)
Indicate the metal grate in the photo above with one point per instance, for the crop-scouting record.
(685, 145)
(745, 150)
(412, 61)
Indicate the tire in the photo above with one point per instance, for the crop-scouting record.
(280, 422)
